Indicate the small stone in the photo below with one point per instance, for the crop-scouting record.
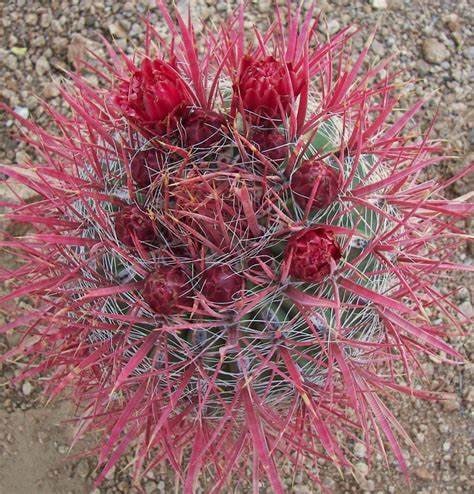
(62, 449)
(264, 6)
(19, 51)
(77, 49)
(50, 90)
(123, 486)
(59, 44)
(423, 474)
(11, 61)
(451, 403)
(370, 486)
(45, 20)
(31, 19)
(434, 52)
(443, 428)
(452, 21)
(82, 469)
(42, 66)
(27, 388)
(333, 26)
(362, 468)
(22, 111)
(117, 31)
(379, 4)
(110, 474)
(466, 309)
(463, 294)
(470, 394)
(330, 27)
(150, 487)
(360, 450)
(446, 446)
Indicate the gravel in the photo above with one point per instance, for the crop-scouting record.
(434, 51)
(432, 41)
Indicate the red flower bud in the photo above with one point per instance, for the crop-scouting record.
(132, 222)
(272, 144)
(312, 253)
(221, 284)
(264, 87)
(165, 289)
(315, 174)
(201, 127)
(145, 166)
(154, 96)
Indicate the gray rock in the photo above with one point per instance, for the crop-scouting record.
(83, 469)
(42, 66)
(27, 388)
(379, 4)
(434, 51)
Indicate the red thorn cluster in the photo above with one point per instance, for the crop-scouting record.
(272, 144)
(202, 128)
(221, 284)
(145, 166)
(165, 290)
(265, 88)
(317, 182)
(154, 97)
(312, 253)
(130, 223)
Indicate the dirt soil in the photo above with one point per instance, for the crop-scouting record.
(433, 44)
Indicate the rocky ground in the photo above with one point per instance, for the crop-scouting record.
(433, 44)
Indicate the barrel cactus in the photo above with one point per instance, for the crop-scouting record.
(233, 254)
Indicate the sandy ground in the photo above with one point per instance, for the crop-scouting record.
(433, 42)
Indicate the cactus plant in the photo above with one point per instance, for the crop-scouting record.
(232, 251)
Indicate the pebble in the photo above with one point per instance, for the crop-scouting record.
(466, 309)
(42, 66)
(50, 90)
(26, 388)
(451, 403)
(82, 469)
(434, 51)
(360, 450)
(123, 486)
(362, 468)
(469, 396)
(463, 294)
(150, 487)
(446, 446)
(23, 111)
(111, 473)
(117, 30)
(423, 473)
(31, 19)
(333, 26)
(77, 49)
(62, 449)
(265, 6)
(11, 61)
(379, 4)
